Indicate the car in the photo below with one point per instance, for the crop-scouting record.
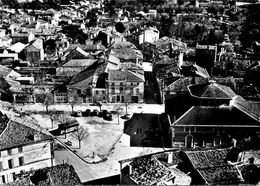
(108, 116)
(94, 113)
(69, 143)
(102, 113)
(126, 116)
(86, 113)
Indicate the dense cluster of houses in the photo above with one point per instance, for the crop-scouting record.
(208, 102)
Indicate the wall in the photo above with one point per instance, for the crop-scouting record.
(126, 94)
(36, 156)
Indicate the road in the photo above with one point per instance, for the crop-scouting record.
(131, 108)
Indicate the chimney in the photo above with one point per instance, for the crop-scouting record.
(170, 157)
(130, 169)
(180, 59)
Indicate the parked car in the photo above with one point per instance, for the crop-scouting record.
(102, 113)
(126, 116)
(86, 113)
(94, 113)
(108, 116)
(69, 143)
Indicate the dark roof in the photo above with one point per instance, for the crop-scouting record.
(182, 83)
(125, 75)
(250, 108)
(222, 116)
(63, 174)
(154, 169)
(127, 53)
(212, 167)
(211, 90)
(96, 68)
(15, 134)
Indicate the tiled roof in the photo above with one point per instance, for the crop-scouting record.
(152, 169)
(182, 83)
(212, 167)
(211, 90)
(4, 71)
(223, 116)
(94, 69)
(63, 174)
(251, 108)
(79, 62)
(125, 75)
(19, 134)
(127, 53)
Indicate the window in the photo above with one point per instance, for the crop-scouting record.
(121, 89)
(0, 154)
(112, 84)
(21, 161)
(9, 151)
(20, 149)
(10, 164)
(1, 166)
(3, 179)
(121, 84)
(132, 84)
(103, 92)
(131, 90)
(137, 83)
(96, 92)
(137, 91)
(113, 90)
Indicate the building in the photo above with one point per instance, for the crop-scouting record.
(212, 126)
(24, 146)
(209, 167)
(63, 174)
(125, 86)
(206, 56)
(23, 37)
(149, 35)
(149, 130)
(154, 169)
(33, 52)
(211, 94)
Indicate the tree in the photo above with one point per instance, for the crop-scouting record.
(80, 134)
(48, 100)
(99, 104)
(64, 120)
(73, 100)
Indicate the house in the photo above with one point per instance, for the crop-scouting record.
(208, 167)
(60, 94)
(23, 37)
(63, 174)
(74, 66)
(128, 55)
(177, 96)
(149, 35)
(24, 146)
(90, 84)
(62, 44)
(7, 56)
(149, 130)
(159, 168)
(17, 47)
(206, 55)
(8, 73)
(211, 126)
(34, 51)
(125, 86)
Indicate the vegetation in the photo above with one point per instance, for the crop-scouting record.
(80, 134)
